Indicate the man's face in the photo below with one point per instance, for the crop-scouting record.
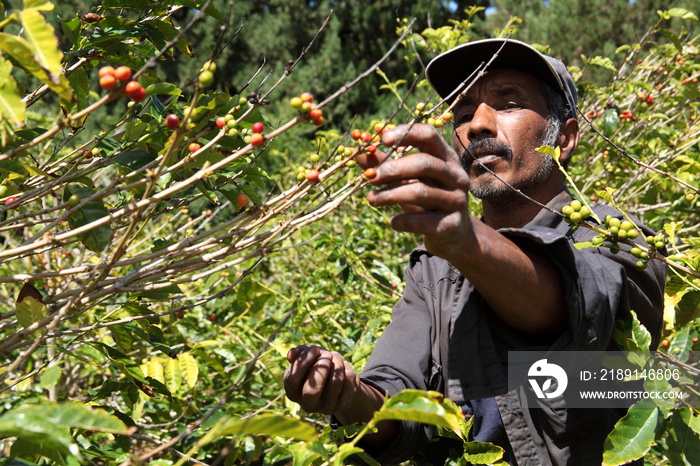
(500, 123)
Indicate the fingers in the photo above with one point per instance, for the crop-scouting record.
(422, 136)
(422, 181)
(316, 379)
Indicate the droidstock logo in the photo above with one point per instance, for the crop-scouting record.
(548, 373)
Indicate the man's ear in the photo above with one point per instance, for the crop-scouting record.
(568, 139)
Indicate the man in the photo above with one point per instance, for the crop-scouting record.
(478, 288)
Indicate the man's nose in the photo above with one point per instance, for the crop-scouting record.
(483, 122)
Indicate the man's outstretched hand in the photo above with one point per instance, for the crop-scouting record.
(321, 381)
(431, 186)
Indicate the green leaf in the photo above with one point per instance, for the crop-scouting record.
(24, 449)
(171, 372)
(188, 368)
(609, 121)
(548, 150)
(50, 377)
(346, 450)
(268, 424)
(678, 13)
(163, 89)
(30, 307)
(43, 42)
(134, 159)
(11, 105)
(196, 4)
(683, 442)
(49, 424)
(631, 335)
(424, 407)
(80, 83)
(97, 238)
(632, 435)
(603, 62)
(44, 5)
(688, 309)
(77, 414)
(169, 32)
(23, 53)
(126, 364)
(44, 46)
(482, 452)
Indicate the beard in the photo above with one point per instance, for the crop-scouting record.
(493, 189)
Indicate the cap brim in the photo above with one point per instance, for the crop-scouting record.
(449, 70)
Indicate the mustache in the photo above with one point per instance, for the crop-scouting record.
(485, 145)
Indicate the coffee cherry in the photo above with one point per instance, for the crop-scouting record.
(138, 95)
(258, 127)
(132, 87)
(316, 113)
(576, 217)
(365, 136)
(371, 173)
(307, 97)
(256, 139)
(206, 78)
(296, 102)
(220, 122)
(10, 200)
(3, 190)
(355, 134)
(209, 66)
(106, 71)
(172, 121)
(123, 73)
(108, 82)
(194, 147)
(314, 158)
(74, 200)
(242, 200)
(614, 222)
(312, 175)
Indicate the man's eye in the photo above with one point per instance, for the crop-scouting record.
(464, 118)
(511, 106)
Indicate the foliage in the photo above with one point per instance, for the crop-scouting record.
(153, 290)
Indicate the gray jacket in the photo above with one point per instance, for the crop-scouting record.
(444, 337)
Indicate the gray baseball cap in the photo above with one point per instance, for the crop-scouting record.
(449, 70)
